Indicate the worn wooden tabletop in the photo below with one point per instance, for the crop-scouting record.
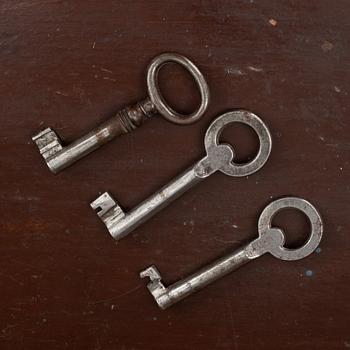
(64, 282)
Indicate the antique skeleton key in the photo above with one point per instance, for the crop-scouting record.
(271, 240)
(219, 157)
(58, 157)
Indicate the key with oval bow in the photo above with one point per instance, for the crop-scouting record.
(58, 157)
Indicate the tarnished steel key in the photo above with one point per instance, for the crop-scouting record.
(219, 157)
(58, 157)
(271, 240)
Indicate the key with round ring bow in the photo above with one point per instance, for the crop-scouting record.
(271, 240)
(58, 157)
(219, 157)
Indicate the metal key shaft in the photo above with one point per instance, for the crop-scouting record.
(119, 224)
(219, 157)
(270, 240)
(167, 296)
(58, 157)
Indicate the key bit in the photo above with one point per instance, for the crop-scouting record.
(107, 209)
(155, 286)
(48, 143)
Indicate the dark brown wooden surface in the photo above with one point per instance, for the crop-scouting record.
(64, 283)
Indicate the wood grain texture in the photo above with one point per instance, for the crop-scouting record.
(64, 283)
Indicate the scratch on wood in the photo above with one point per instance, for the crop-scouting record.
(118, 296)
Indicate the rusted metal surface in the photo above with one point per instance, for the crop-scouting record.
(125, 121)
